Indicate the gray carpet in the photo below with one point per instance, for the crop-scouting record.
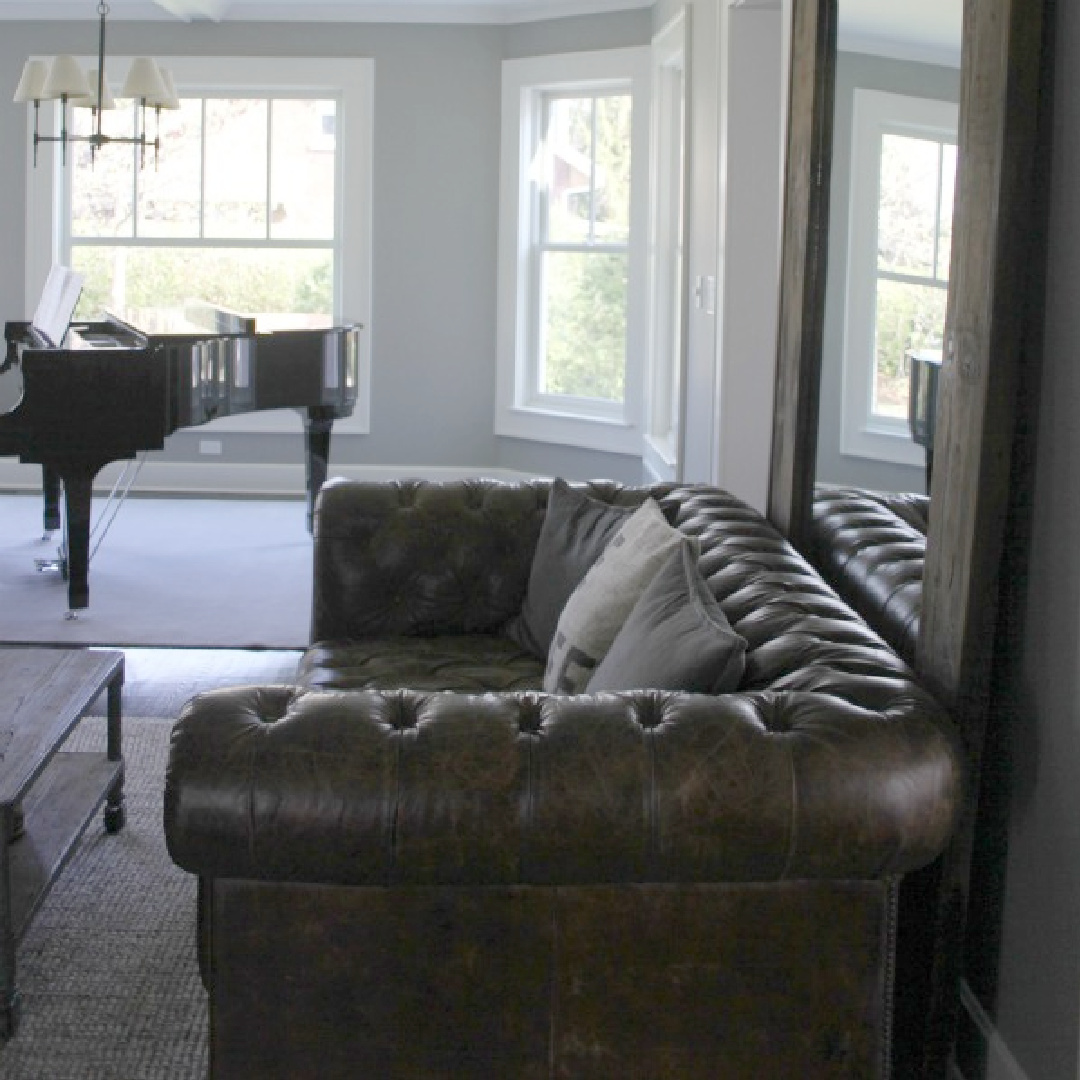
(107, 971)
(202, 573)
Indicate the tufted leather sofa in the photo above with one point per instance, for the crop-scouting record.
(871, 546)
(413, 864)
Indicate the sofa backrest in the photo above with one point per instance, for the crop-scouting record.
(871, 546)
(417, 557)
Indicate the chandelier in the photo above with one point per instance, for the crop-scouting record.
(62, 79)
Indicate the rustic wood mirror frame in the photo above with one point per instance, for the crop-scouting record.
(993, 330)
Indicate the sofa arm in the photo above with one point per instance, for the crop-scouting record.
(385, 788)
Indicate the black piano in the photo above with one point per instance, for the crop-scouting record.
(111, 391)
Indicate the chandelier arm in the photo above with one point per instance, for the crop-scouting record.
(103, 10)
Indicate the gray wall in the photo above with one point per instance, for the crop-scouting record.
(436, 186)
(858, 71)
(1038, 1011)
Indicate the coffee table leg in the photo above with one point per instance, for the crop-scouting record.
(9, 997)
(114, 799)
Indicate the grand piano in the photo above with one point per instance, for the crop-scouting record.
(924, 367)
(111, 391)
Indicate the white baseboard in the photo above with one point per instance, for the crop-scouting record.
(1000, 1063)
(275, 481)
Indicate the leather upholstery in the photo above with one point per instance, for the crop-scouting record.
(871, 547)
(384, 784)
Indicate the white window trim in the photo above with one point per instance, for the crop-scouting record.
(514, 416)
(662, 451)
(875, 113)
(351, 82)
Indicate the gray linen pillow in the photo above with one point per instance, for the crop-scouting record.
(676, 638)
(598, 607)
(575, 531)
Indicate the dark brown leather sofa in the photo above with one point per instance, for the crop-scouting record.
(414, 864)
(871, 547)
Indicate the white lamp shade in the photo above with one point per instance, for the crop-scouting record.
(65, 78)
(143, 81)
(90, 101)
(170, 100)
(32, 81)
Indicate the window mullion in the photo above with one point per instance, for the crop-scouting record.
(937, 208)
(269, 162)
(135, 174)
(202, 170)
(928, 280)
(592, 172)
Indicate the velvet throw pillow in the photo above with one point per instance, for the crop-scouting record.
(576, 529)
(677, 637)
(598, 607)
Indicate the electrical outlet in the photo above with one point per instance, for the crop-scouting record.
(209, 446)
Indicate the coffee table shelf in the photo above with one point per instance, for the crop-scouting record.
(54, 792)
(58, 809)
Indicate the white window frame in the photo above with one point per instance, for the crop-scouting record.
(351, 83)
(876, 113)
(518, 412)
(664, 405)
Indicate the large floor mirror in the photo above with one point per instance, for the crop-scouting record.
(994, 240)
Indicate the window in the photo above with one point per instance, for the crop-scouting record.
(572, 263)
(273, 238)
(190, 226)
(903, 175)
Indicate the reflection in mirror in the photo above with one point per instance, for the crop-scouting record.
(893, 174)
(11, 383)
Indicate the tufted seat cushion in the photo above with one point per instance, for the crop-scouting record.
(463, 663)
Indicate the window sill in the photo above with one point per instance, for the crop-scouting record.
(608, 434)
(881, 444)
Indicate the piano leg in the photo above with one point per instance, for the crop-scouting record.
(316, 457)
(78, 488)
(50, 494)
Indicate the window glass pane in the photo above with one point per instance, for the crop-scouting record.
(908, 317)
(908, 209)
(569, 169)
(235, 196)
(588, 193)
(583, 325)
(149, 286)
(102, 188)
(170, 190)
(948, 190)
(613, 168)
(302, 169)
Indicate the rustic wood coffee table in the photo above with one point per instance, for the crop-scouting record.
(44, 693)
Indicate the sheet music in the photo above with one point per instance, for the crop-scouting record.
(57, 303)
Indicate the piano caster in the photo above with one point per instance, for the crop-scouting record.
(52, 566)
(71, 615)
(46, 537)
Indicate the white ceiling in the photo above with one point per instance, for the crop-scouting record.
(456, 11)
(934, 23)
(908, 29)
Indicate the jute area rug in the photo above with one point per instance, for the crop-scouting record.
(108, 971)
